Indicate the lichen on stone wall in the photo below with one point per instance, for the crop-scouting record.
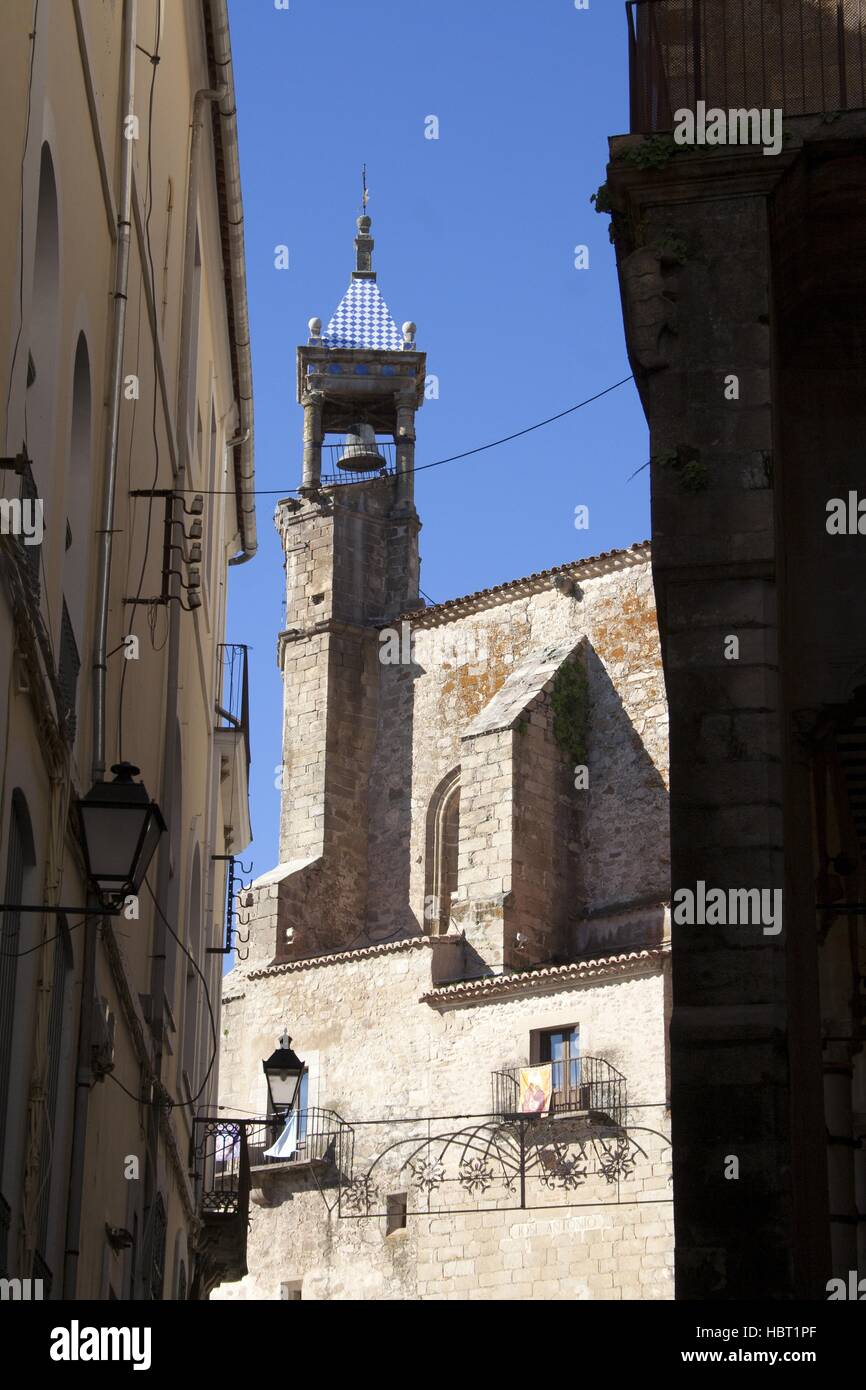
(570, 702)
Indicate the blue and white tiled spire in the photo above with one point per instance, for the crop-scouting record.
(361, 319)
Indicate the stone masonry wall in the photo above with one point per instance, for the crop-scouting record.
(460, 663)
(375, 1051)
(357, 793)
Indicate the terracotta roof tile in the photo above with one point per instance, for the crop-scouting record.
(639, 551)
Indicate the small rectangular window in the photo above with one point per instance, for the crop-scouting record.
(395, 1218)
(561, 1048)
(291, 1290)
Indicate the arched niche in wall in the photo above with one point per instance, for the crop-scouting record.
(43, 327)
(79, 492)
(443, 836)
(78, 532)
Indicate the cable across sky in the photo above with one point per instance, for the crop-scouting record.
(451, 458)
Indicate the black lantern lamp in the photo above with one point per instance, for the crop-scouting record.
(283, 1070)
(121, 830)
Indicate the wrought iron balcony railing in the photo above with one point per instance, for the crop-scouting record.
(317, 1139)
(440, 1163)
(221, 1169)
(587, 1086)
(800, 56)
(224, 1150)
(233, 704)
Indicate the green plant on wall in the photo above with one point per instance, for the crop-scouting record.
(601, 199)
(691, 470)
(653, 153)
(602, 203)
(570, 701)
(671, 247)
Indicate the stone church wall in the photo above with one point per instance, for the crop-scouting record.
(397, 730)
(617, 826)
(376, 1052)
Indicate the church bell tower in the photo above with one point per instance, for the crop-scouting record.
(350, 540)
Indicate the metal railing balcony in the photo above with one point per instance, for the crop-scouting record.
(233, 702)
(225, 1150)
(317, 1139)
(800, 56)
(585, 1086)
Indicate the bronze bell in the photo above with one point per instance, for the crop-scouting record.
(360, 453)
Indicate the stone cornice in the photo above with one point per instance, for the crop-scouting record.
(726, 171)
(591, 567)
(547, 981)
(388, 948)
(328, 625)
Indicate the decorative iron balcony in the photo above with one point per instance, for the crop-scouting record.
(800, 56)
(232, 740)
(228, 1160)
(582, 1086)
(227, 1152)
(233, 706)
(317, 1140)
(221, 1168)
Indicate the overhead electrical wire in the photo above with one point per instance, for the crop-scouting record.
(437, 463)
(168, 1102)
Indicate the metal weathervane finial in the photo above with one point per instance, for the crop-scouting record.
(366, 192)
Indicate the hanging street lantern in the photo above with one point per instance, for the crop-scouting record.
(121, 830)
(283, 1070)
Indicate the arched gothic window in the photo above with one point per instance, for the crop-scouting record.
(443, 836)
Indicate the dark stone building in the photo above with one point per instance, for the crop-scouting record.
(743, 279)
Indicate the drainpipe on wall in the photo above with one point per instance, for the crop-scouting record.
(84, 1073)
(170, 771)
(121, 282)
(231, 444)
(226, 132)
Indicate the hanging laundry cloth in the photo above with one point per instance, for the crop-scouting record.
(288, 1140)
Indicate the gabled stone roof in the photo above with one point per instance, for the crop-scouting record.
(521, 688)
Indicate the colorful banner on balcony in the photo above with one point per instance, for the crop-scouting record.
(536, 1088)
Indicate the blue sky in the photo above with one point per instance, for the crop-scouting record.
(475, 236)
